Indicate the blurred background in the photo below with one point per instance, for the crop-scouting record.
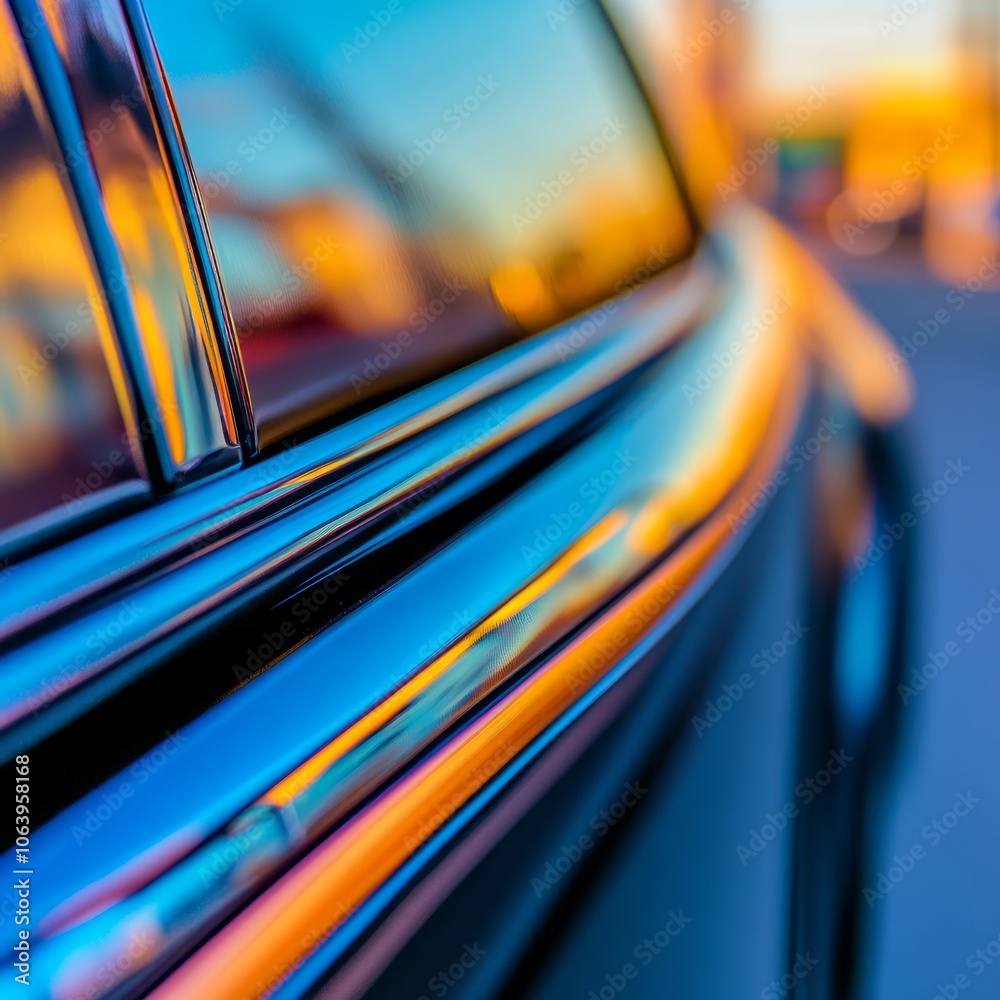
(872, 128)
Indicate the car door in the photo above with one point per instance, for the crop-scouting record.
(421, 504)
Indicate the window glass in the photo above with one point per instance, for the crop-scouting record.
(65, 446)
(393, 189)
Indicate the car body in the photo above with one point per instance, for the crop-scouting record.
(453, 482)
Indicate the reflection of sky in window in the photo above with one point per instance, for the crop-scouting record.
(553, 94)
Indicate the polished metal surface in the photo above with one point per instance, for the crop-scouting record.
(115, 160)
(376, 222)
(176, 153)
(268, 941)
(242, 533)
(630, 494)
(69, 441)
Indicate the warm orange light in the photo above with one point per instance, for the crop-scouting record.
(261, 945)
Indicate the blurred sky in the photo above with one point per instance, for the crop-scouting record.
(839, 42)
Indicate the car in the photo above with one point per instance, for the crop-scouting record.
(437, 550)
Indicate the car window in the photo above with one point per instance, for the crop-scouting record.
(67, 437)
(395, 189)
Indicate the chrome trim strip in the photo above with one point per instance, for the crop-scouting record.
(303, 761)
(289, 931)
(209, 516)
(322, 482)
(408, 898)
(118, 499)
(168, 123)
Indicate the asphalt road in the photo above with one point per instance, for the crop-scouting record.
(935, 931)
